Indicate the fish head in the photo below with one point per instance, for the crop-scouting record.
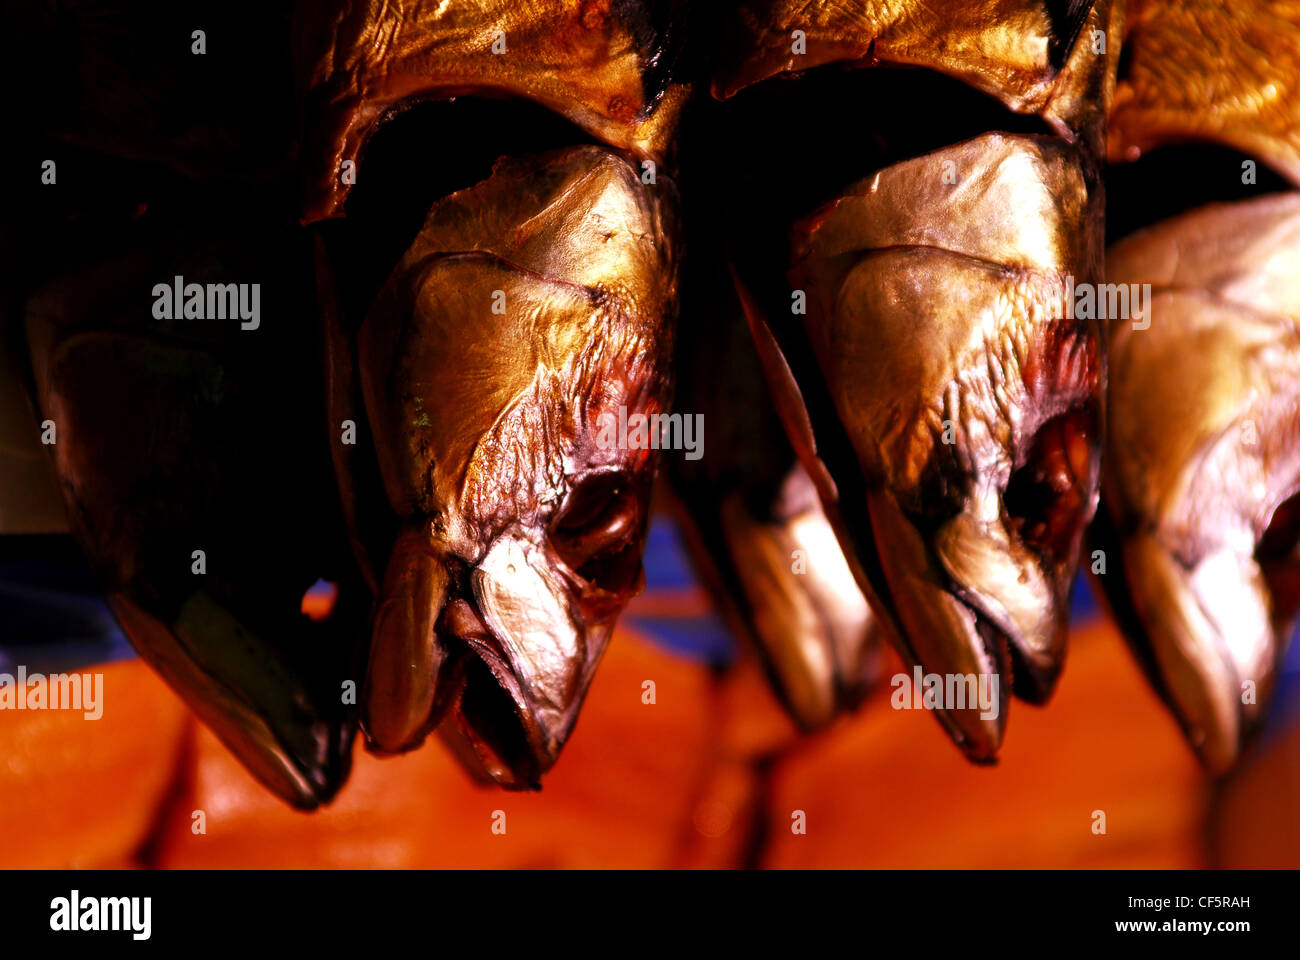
(528, 320)
(967, 404)
(1203, 465)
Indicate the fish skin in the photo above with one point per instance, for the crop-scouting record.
(165, 446)
(756, 531)
(1205, 71)
(1202, 456)
(487, 425)
(925, 326)
(483, 431)
(1032, 56)
(608, 68)
(948, 413)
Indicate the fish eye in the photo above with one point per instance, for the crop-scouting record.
(1278, 556)
(598, 529)
(1046, 499)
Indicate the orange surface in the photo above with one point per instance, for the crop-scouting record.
(707, 776)
(887, 790)
(621, 794)
(1255, 818)
(77, 792)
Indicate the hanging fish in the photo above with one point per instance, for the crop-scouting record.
(755, 527)
(1203, 461)
(501, 520)
(445, 367)
(531, 313)
(907, 292)
(192, 469)
(1199, 521)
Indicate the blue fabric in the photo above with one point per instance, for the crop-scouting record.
(51, 618)
(668, 568)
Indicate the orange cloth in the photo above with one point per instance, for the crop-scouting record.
(708, 775)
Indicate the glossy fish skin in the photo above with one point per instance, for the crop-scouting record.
(1032, 56)
(815, 627)
(1202, 70)
(986, 385)
(1203, 459)
(522, 521)
(235, 645)
(948, 411)
(500, 537)
(756, 530)
(169, 443)
(1200, 519)
(607, 67)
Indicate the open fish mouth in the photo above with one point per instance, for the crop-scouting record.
(979, 732)
(500, 728)
(502, 672)
(944, 595)
(966, 544)
(909, 295)
(491, 711)
(500, 661)
(909, 298)
(525, 658)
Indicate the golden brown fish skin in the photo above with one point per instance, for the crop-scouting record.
(1203, 454)
(1013, 50)
(943, 345)
(1210, 71)
(485, 422)
(936, 318)
(603, 66)
(488, 425)
(808, 616)
(756, 530)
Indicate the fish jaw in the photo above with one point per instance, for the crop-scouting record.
(808, 617)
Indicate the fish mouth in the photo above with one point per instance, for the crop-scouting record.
(991, 646)
(1205, 629)
(977, 736)
(513, 736)
(976, 573)
(941, 625)
(505, 680)
(1030, 668)
(496, 653)
(976, 590)
(502, 732)
(529, 629)
(1209, 633)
